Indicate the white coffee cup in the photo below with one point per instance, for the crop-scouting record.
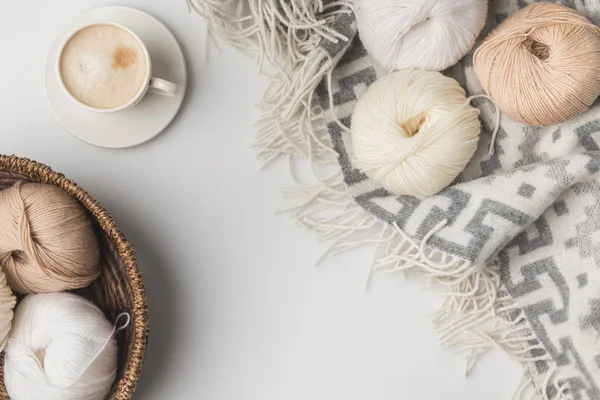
(151, 84)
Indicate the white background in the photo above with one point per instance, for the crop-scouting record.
(237, 309)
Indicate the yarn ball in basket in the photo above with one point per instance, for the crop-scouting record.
(47, 243)
(61, 347)
(414, 131)
(420, 34)
(541, 66)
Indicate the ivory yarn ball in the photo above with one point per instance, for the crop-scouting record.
(420, 34)
(414, 131)
(541, 66)
(47, 243)
(61, 347)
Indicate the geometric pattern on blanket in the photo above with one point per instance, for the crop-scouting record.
(532, 208)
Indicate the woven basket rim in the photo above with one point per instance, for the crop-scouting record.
(42, 173)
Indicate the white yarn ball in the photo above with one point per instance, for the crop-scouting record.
(7, 305)
(414, 132)
(420, 34)
(61, 347)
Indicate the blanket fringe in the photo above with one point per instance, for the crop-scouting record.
(476, 315)
(289, 125)
(277, 31)
(550, 388)
(287, 35)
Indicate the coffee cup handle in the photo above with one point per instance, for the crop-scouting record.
(162, 87)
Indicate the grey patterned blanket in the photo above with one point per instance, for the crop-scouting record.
(513, 244)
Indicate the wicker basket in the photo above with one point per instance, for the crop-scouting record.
(120, 286)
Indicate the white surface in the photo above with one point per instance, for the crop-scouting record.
(237, 310)
(147, 118)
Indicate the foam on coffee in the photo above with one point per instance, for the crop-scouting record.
(103, 66)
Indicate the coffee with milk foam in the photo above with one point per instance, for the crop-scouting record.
(103, 66)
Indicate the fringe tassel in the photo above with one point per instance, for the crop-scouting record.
(551, 388)
(288, 35)
(475, 316)
(289, 123)
(275, 30)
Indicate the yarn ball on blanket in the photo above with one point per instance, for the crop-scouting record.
(61, 347)
(414, 131)
(47, 242)
(541, 66)
(420, 34)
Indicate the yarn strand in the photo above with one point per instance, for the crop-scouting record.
(106, 342)
(497, 119)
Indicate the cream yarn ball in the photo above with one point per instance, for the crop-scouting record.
(61, 347)
(414, 131)
(421, 34)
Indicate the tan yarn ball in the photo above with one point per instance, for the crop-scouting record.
(47, 243)
(542, 65)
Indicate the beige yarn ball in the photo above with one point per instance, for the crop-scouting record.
(414, 131)
(542, 65)
(47, 243)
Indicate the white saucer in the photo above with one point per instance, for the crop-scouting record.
(148, 118)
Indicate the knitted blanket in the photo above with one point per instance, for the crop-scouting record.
(513, 245)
